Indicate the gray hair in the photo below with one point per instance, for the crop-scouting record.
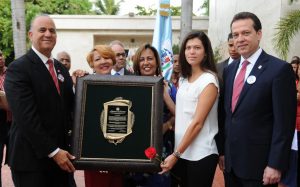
(38, 16)
(116, 42)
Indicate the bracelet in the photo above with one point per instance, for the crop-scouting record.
(177, 154)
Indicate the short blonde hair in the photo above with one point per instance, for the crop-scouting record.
(104, 51)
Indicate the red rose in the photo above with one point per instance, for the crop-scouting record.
(150, 152)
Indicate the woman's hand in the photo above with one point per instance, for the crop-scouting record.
(222, 163)
(168, 164)
(78, 73)
(166, 89)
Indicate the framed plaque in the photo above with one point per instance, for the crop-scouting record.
(116, 119)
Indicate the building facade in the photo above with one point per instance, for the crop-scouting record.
(77, 34)
(269, 12)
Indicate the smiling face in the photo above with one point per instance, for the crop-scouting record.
(101, 65)
(120, 57)
(43, 35)
(194, 52)
(147, 63)
(246, 38)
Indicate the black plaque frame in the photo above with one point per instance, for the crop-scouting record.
(91, 149)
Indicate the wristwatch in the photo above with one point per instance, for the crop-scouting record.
(177, 154)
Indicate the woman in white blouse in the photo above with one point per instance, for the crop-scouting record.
(196, 124)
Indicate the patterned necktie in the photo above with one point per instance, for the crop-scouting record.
(238, 85)
(53, 75)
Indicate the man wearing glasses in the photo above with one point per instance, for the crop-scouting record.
(120, 66)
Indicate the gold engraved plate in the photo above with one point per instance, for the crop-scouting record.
(116, 120)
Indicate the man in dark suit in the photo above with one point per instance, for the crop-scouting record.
(233, 55)
(120, 66)
(64, 58)
(40, 96)
(260, 119)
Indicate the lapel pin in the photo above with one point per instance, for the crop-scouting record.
(251, 79)
(60, 78)
(260, 66)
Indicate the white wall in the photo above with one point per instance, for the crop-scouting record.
(77, 34)
(268, 11)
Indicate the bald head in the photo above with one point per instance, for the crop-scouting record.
(42, 34)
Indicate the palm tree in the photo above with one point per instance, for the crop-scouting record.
(108, 7)
(19, 27)
(287, 28)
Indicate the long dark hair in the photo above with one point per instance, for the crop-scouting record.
(207, 63)
(297, 62)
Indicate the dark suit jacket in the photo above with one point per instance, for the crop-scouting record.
(220, 137)
(221, 66)
(259, 132)
(41, 117)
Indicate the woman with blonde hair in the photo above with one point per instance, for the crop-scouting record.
(102, 59)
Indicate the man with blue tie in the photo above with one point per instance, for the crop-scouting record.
(120, 66)
(259, 109)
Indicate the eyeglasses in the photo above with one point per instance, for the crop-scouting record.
(120, 54)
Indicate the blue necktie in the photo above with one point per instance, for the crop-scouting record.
(117, 74)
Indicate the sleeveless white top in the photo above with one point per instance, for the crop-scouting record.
(186, 102)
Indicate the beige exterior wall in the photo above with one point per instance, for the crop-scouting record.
(268, 11)
(78, 34)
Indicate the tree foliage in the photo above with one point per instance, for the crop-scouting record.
(6, 34)
(142, 11)
(33, 8)
(286, 30)
(205, 6)
(108, 7)
(175, 10)
(291, 1)
(175, 48)
(60, 6)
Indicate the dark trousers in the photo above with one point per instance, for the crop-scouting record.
(52, 178)
(196, 173)
(298, 168)
(2, 145)
(4, 128)
(231, 180)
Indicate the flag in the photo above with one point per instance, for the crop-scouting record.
(162, 37)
